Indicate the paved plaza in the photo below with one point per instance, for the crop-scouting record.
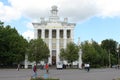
(69, 74)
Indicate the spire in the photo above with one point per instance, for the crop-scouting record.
(54, 17)
(54, 10)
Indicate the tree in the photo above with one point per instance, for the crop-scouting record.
(12, 46)
(102, 60)
(118, 54)
(111, 47)
(89, 54)
(109, 44)
(70, 53)
(18, 46)
(38, 50)
(94, 54)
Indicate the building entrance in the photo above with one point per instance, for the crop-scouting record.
(53, 57)
(53, 60)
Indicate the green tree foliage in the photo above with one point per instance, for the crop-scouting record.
(102, 53)
(70, 53)
(111, 47)
(38, 50)
(12, 45)
(118, 54)
(109, 44)
(94, 54)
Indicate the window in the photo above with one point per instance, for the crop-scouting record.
(61, 33)
(46, 33)
(39, 33)
(68, 33)
(53, 33)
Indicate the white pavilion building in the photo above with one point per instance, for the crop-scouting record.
(55, 33)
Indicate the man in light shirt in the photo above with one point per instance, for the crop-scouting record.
(87, 66)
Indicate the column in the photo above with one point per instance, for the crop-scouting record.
(65, 41)
(50, 46)
(65, 37)
(43, 34)
(58, 46)
(35, 33)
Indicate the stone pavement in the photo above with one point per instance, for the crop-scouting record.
(69, 74)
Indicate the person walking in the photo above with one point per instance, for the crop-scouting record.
(47, 68)
(88, 67)
(35, 71)
(18, 67)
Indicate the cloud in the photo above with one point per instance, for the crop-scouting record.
(28, 34)
(8, 13)
(29, 25)
(108, 8)
(74, 9)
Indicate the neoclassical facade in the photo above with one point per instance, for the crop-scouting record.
(55, 33)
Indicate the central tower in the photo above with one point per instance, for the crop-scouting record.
(55, 33)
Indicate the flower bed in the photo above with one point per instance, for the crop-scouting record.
(43, 79)
(116, 79)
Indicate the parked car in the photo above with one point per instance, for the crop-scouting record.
(59, 65)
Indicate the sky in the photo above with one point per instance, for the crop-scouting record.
(95, 19)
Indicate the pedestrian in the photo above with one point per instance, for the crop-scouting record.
(82, 65)
(47, 68)
(35, 71)
(88, 67)
(18, 67)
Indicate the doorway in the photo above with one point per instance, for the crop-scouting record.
(53, 57)
(53, 60)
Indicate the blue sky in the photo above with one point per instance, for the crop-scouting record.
(97, 19)
(99, 29)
